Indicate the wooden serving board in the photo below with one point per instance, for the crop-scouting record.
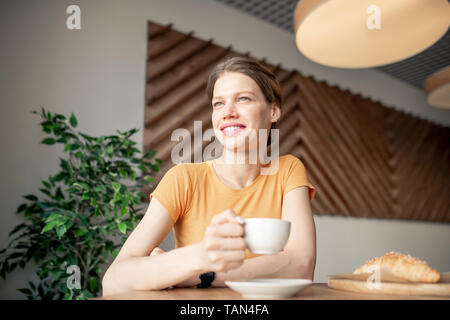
(441, 288)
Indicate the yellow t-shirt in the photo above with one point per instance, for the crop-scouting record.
(192, 194)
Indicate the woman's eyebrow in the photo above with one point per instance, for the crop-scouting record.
(237, 93)
(245, 92)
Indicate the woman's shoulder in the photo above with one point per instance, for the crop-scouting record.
(288, 160)
(281, 165)
(189, 169)
(185, 174)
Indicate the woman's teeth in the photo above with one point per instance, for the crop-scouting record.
(232, 130)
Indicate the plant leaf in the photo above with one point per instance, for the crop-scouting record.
(25, 291)
(124, 173)
(82, 185)
(122, 227)
(73, 121)
(31, 284)
(68, 147)
(48, 141)
(94, 284)
(21, 208)
(46, 184)
(116, 186)
(59, 117)
(133, 175)
(123, 210)
(49, 226)
(31, 197)
(150, 154)
(81, 232)
(61, 230)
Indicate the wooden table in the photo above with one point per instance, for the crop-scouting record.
(317, 291)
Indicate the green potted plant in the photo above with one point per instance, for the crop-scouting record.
(84, 212)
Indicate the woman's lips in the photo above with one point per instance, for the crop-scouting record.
(232, 131)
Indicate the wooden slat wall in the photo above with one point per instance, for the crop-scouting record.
(421, 168)
(365, 160)
(342, 145)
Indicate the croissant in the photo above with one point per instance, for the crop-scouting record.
(402, 266)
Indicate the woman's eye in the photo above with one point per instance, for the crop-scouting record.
(243, 99)
(216, 104)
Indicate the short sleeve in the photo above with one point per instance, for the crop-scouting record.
(173, 191)
(295, 176)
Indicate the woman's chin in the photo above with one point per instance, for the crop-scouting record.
(243, 141)
(236, 142)
(239, 146)
(233, 147)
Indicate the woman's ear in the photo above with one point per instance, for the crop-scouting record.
(275, 113)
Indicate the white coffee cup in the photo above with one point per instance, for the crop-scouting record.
(266, 235)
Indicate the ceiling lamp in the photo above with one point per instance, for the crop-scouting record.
(368, 33)
(437, 88)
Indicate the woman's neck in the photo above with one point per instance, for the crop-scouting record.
(236, 170)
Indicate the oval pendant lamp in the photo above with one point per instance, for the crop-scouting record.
(368, 33)
(437, 88)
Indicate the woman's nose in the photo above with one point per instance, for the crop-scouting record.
(229, 110)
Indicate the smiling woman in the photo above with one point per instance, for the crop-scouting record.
(207, 203)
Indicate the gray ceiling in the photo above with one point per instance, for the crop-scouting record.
(413, 70)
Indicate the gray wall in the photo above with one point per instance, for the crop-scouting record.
(98, 72)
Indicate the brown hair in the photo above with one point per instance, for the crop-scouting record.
(263, 77)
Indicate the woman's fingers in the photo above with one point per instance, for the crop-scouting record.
(216, 243)
(226, 224)
(226, 255)
(226, 216)
(225, 230)
(223, 243)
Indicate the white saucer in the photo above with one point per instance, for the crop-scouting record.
(269, 288)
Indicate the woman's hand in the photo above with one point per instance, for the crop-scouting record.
(156, 251)
(223, 246)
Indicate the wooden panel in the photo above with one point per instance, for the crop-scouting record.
(366, 160)
(421, 158)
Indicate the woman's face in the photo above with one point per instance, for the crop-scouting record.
(239, 107)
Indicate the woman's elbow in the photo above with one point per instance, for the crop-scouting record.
(107, 287)
(304, 269)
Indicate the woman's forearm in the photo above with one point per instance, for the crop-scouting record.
(153, 272)
(281, 265)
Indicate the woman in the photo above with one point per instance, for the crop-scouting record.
(204, 201)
